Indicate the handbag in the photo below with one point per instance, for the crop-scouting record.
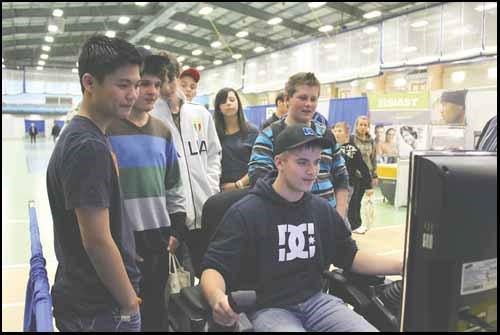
(178, 278)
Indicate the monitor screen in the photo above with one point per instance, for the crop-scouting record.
(450, 272)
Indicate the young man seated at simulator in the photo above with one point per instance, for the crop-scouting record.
(282, 237)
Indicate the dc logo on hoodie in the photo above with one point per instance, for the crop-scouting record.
(296, 241)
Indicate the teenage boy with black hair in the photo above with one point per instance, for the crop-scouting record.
(152, 189)
(97, 279)
(278, 240)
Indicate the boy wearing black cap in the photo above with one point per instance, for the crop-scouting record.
(453, 107)
(282, 237)
(189, 82)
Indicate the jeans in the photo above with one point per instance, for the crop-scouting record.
(320, 313)
(108, 321)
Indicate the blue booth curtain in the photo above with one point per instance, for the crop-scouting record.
(347, 110)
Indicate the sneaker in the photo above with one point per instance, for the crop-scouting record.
(360, 230)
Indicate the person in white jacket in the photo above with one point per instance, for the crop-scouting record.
(199, 152)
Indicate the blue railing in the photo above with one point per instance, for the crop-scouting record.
(38, 304)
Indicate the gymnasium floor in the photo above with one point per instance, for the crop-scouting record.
(23, 179)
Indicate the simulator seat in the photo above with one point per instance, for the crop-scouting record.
(189, 311)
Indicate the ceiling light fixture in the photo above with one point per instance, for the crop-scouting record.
(216, 44)
(49, 39)
(141, 4)
(486, 6)
(236, 56)
(41, 62)
(326, 28)
(217, 62)
(123, 20)
(316, 4)
(52, 28)
(196, 52)
(45, 48)
(185, 67)
(39, 68)
(111, 33)
(147, 47)
(242, 34)
(458, 76)
(180, 26)
(44, 56)
(200, 68)
(372, 14)
(274, 21)
(160, 39)
(259, 49)
(57, 12)
(206, 10)
(181, 59)
(74, 70)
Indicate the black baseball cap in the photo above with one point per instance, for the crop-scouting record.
(455, 97)
(297, 135)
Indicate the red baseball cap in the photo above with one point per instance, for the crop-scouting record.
(191, 72)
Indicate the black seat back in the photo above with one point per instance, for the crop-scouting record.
(214, 209)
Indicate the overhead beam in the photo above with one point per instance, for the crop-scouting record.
(346, 8)
(262, 15)
(71, 28)
(226, 30)
(92, 11)
(160, 16)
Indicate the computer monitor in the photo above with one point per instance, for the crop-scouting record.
(450, 272)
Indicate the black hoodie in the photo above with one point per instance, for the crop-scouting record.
(279, 248)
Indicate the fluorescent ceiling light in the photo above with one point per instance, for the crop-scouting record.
(217, 62)
(236, 56)
(196, 52)
(242, 34)
(372, 14)
(74, 70)
(370, 30)
(216, 44)
(52, 28)
(39, 68)
(274, 21)
(185, 67)
(326, 28)
(206, 10)
(259, 49)
(49, 39)
(141, 4)
(275, 55)
(44, 56)
(181, 59)
(418, 24)
(160, 39)
(45, 48)
(3, 66)
(486, 6)
(147, 47)
(316, 4)
(110, 33)
(458, 76)
(180, 26)
(41, 62)
(123, 20)
(57, 12)
(200, 68)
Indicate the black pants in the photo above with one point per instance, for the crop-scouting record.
(154, 272)
(32, 138)
(354, 213)
(197, 244)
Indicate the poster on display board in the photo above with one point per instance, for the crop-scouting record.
(449, 107)
(399, 107)
(411, 137)
(447, 138)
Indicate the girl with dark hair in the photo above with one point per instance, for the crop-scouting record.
(237, 137)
